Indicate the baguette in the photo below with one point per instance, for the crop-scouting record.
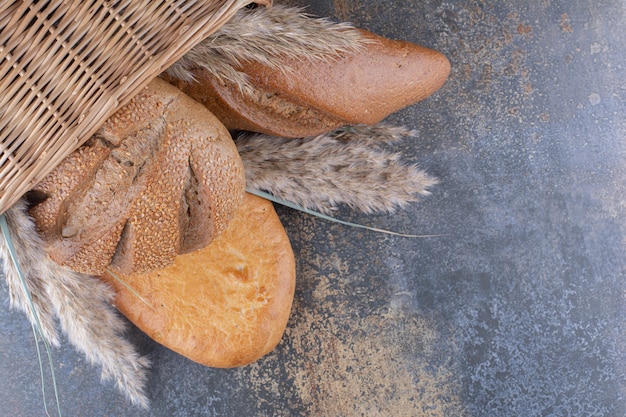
(303, 97)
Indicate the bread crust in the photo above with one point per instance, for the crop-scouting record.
(307, 98)
(225, 305)
(162, 176)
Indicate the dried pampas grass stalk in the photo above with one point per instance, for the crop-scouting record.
(346, 166)
(23, 234)
(267, 36)
(80, 302)
(10, 256)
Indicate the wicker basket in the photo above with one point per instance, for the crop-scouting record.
(66, 66)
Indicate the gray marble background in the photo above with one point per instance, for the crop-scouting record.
(519, 310)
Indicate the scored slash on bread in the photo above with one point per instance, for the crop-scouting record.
(161, 177)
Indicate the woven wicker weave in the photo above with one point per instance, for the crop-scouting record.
(66, 66)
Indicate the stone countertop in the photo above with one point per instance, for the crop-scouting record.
(518, 310)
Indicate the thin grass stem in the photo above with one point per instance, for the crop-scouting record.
(131, 289)
(298, 207)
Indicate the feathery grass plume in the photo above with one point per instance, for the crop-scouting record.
(345, 166)
(36, 325)
(267, 36)
(23, 234)
(81, 303)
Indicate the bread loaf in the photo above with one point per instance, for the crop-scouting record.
(304, 98)
(225, 305)
(160, 177)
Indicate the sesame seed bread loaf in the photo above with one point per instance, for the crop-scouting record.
(161, 177)
(224, 305)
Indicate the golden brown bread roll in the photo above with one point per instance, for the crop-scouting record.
(304, 98)
(161, 177)
(225, 305)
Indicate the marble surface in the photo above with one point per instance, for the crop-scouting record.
(518, 310)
